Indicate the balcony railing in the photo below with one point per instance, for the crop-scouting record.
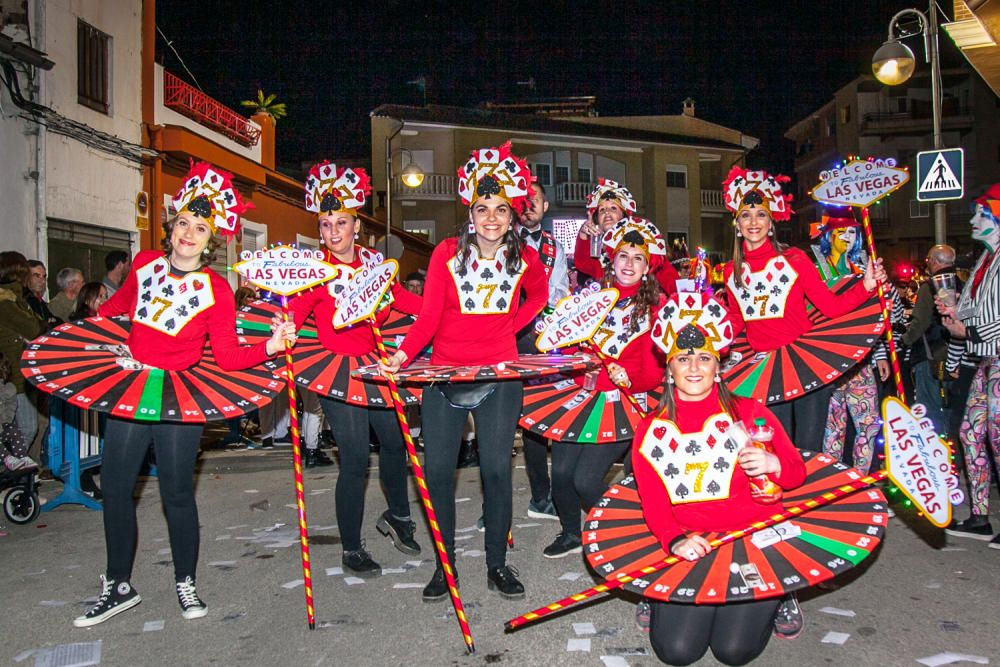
(435, 186)
(196, 105)
(711, 201)
(573, 192)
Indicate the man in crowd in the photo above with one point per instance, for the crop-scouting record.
(70, 282)
(415, 283)
(35, 295)
(118, 263)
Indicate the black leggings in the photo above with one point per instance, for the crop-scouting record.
(496, 421)
(350, 427)
(536, 464)
(578, 473)
(737, 633)
(126, 444)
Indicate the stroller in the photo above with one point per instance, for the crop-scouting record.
(19, 494)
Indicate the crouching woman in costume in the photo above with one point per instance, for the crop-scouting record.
(472, 310)
(174, 302)
(679, 500)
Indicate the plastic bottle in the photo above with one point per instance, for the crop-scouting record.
(762, 489)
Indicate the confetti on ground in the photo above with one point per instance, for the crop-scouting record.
(163, 552)
(153, 626)
(953, 549)
(334, 571)
(472, 553)
(250, 491)
(835, 638)
(834, 611)
(291, 506)
(628, 650)
(614, 661)
(462, 538)
(408, 585)
(242, 525)
(462, 500)
(294, 583)
(71, 567)
(571, 576)
(415, 563)
(394, 570)
(34, 574)
(467, 529)
(934, 585)
(24, 655)
(948, 658)
(950, 626)
(526, 525)
(584, 629)
(334, 527)
(577, 644)
(69, 655)
(353, 581)
(219, 538)
(53, 603)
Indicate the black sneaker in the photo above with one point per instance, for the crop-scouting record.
(116, 597)
(563, 545)
(400, 531)
(267, 443)
(977, 527)
(788, 620)
(191, 605)
(994, 543)
(360, 563)
(315, 458)
(504, 581)
(437, 589)
(542, 510)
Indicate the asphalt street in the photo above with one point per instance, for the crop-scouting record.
(922, 595)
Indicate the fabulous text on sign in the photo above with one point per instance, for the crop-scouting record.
(364, 292)
(285, 270)
(860, 182)
(576, 318)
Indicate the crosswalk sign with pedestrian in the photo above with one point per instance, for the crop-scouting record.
(940, 174)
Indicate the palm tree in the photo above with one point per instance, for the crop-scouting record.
(266, 104)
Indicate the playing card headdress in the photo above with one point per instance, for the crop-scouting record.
(208, 193)
(494, 171)
(640, 233)
(830, 222)
(610, 190)
(743, 189)
(692, 322)
(333, 189)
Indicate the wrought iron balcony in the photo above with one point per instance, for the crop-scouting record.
(196, 105)
(712, 202)
(573, 193)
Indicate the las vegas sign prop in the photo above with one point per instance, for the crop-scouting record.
(859, 183)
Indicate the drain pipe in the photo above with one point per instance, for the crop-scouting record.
(41, 219)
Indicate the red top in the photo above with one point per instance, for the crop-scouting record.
(666, 275)
(641, 358)
(173, 312)
(668, 521)
(804, 284)
(466, 338)
(350, 341)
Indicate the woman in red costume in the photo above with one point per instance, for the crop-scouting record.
(689, 484)
(175, 302)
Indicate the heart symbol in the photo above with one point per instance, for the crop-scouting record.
(157, 267)
(659, 432)
(779, 265)
(721, 425)
(198, 284)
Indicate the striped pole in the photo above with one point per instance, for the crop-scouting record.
(604, 362)
(300, 499)
(425, 496)
(621, 580)
(897, 373)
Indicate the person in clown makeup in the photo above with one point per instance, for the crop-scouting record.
(472, 310)
(336, 194)
(976, 319)
(679, 503)
(169, 332)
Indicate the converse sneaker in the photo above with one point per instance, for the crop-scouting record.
(564, 545)
(504, 581)
(116, 597)
(360, 563)
(400, 531)
(977, 527)
(191, 605)
(788, 620)
(542, 510)
(994, 543)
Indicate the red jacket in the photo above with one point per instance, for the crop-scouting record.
(462, 338)
(666, 275)
(350, 341)
(173, 313)
(770, 298)
(657, 468)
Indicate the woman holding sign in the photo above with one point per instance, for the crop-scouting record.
(472, 310)
(174, 302)
(693, 478)
(587, 418)
(336, 194)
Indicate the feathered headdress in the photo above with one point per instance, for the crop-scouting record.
(638, 232)
(494, 171)
(332, 189)
(208, 193)
(608, 189)
(743, 189)
(692, 322)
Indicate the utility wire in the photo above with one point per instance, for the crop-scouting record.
(170, 44)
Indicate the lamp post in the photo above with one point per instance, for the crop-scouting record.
(894, 63)
(412, 176)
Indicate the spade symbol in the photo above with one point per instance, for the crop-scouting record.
(502, 303)
(469, 304)
(142, 312)
(749, 310)
(721, 465)
(731, 445)
(713, 487)
(671, 471)
(783, 280)
(693, 447)
(194, 301)
(613, 350)
(657, 453)
(147, 282)
(681, 491)
(170, 324)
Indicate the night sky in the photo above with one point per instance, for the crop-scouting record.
(747, 65)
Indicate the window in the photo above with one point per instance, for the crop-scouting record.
(676, 176)
(93, 66)
(254, 235)
(845, 114)
(543, 173)
(919, 209)
(584, 175)
(562, 174)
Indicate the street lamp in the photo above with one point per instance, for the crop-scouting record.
(894, 63)
(412, 176)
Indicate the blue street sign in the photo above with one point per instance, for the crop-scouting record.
(941, 174)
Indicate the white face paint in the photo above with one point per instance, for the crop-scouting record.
(985, 228)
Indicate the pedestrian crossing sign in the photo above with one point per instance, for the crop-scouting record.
(940, 174)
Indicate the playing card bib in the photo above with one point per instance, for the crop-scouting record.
(486, 288)
(693, 467)
(168, 303)
(771, 562)
(614, 336)
(762, 295)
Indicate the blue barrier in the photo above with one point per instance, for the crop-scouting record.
(75, 444)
